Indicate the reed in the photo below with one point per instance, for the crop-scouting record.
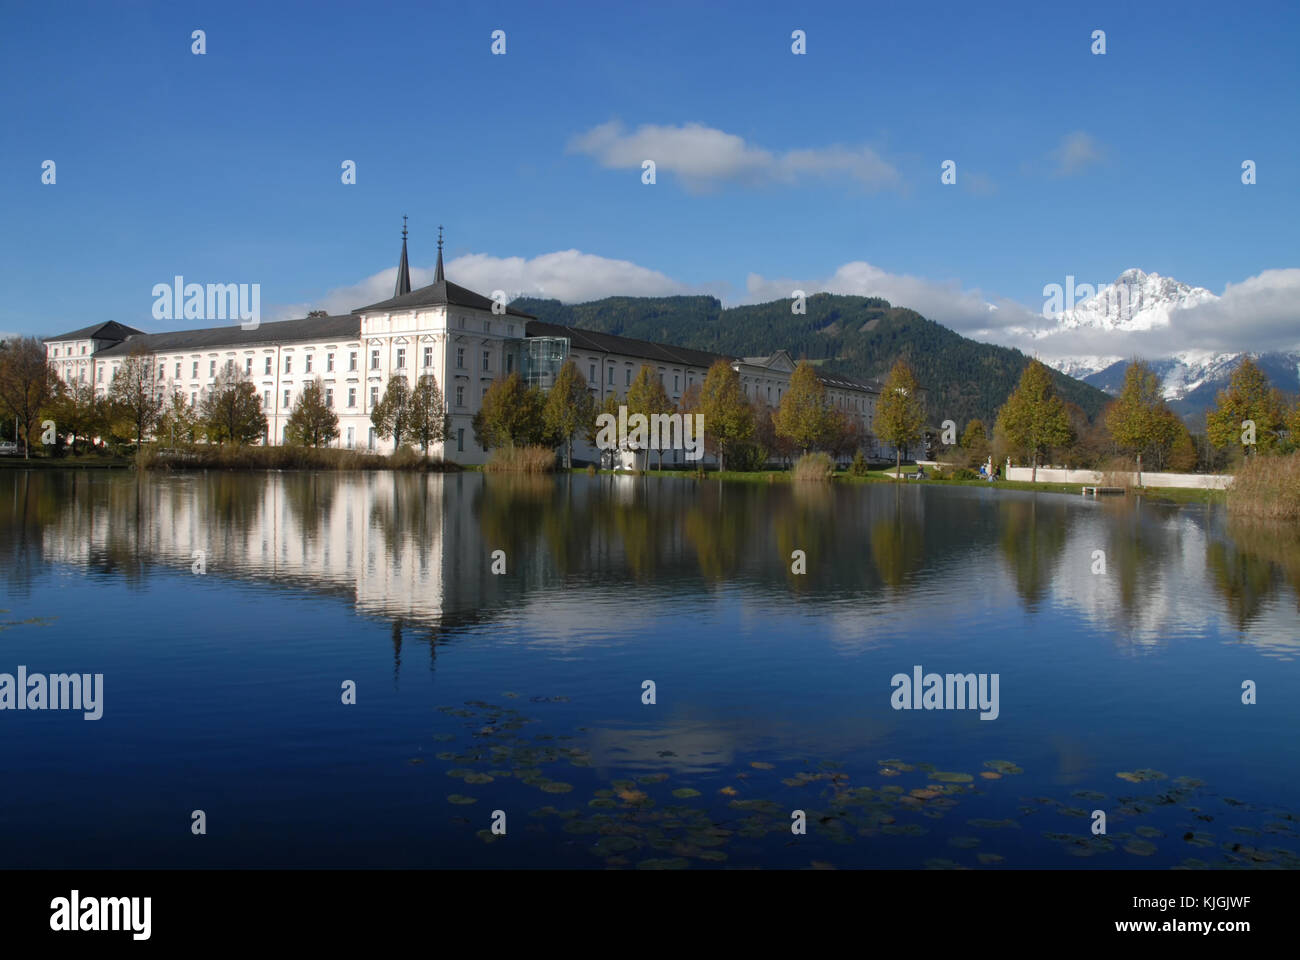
(529, 459)
(1267, 487)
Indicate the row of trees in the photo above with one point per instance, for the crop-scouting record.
(1035, 423)
(741, 433)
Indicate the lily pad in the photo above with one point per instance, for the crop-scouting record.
(1003, 766)
(1140, 776)
(478, 778)
(461, 800)
(551, 786)
(761, 765)
(684, 793)
(944, 776)
(1141, 848)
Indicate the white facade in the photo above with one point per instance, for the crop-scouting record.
(465, 347)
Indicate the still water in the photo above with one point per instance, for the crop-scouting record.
(228, 612)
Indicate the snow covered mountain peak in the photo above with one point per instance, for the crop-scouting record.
(1135, 301)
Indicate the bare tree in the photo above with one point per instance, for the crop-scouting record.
(26, 385)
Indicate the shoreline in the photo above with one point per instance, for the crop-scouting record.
(1175, 495)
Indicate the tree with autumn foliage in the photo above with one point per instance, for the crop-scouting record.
(1139, 420)
(900, 415)
(1249, 412)
(804, 416)
(1034, 417)
(728, 417)
(569, 406)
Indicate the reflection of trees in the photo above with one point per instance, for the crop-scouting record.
(1032, 536)
(801, 520)
(1246, 565)
(511, 508)
(309, 496)
(30, 500)
(1134, 551)
(716, 525)
(897, 543)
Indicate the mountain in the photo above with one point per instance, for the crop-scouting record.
(1191, 387)
(855, 336)
(1191, 378)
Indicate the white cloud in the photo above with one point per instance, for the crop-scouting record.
(968, 311)
(1258, 315)
(568, 275)
(1077, 152)
(703, 157)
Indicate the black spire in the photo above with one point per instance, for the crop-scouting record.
(403, 270)
(437, 271)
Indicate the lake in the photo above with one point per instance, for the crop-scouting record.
(231, 615)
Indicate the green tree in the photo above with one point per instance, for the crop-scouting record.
(804, 416)
(512, 414)
(1248, 400)
(728, 417)
(1137, 419)
(177, 422)
(312, 423)
(569, 407)
(391, 416)
(1034, 418)
(900, 414)
(136, 393)
(428, 414)
(76, 411)
(230, 409)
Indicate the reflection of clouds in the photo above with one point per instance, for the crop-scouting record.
(693, 740)
(1175, 598)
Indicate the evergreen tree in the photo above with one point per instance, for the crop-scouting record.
(804, 417)
(1034, 418)
(428, 413)
(391, 416)
(312, 423)
(728, 417)
(1248, 400)
(899, 414)
(569, 407)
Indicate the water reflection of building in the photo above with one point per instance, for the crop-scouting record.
(881, 560)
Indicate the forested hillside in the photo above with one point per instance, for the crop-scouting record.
(857, 336)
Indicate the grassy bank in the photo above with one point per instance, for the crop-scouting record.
(286, 458)
(1152, 494)
(85, 462)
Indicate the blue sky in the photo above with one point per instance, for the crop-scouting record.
(773, 169)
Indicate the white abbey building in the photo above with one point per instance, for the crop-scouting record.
(443, 329)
